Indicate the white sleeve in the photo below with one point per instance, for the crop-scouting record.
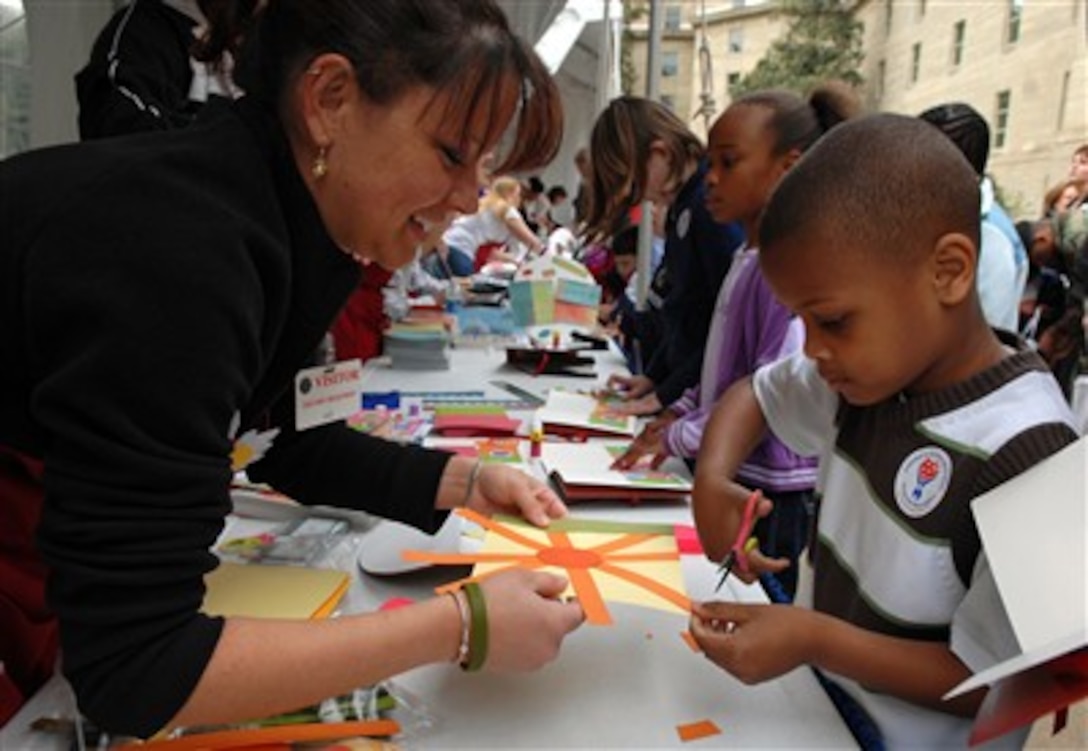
(797, 404)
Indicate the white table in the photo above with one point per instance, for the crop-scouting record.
(474, 369)
(628, 685)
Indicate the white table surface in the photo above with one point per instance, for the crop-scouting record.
(628, 685)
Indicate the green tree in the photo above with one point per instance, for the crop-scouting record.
(633, 10)
(823, 41)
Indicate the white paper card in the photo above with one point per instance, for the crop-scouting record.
(584, 411)
(327, 393)
(1034, 530)
(589, 464)
(1017, 664)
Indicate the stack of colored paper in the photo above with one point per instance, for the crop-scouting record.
(418, 347)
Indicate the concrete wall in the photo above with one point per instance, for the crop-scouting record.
(1045, 73)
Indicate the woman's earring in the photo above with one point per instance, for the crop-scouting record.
(320, 167)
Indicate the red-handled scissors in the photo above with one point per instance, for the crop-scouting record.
(744, 542)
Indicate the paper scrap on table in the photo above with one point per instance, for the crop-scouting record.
(693, 731)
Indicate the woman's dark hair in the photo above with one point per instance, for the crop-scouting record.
(464, 49)
(798, 123)
(619, 148)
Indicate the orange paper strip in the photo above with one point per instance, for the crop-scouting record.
(231, 739)
(665, 593)
(499, 529)
(689, 639)
(693, 731)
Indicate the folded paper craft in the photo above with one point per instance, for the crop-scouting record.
(1034, 531)
(569, 361)
(605, 561)
(582, 472)
(583, 416)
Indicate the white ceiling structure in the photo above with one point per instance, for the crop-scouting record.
(570, 36)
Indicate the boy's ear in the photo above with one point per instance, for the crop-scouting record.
(325, 89)
(955, 262)
(790, 158)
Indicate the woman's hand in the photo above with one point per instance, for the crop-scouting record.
(754, 643)
(527, 620)
(505, 490)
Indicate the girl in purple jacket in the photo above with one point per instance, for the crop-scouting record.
(752, 144)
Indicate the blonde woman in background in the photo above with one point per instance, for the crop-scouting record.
(493, 233)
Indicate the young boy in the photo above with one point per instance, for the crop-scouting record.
(914, 406)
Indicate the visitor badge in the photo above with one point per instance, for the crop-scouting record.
(327, 393)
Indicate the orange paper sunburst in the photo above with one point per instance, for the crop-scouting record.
(634, 563)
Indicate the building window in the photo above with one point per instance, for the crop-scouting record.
(959, 34)
(915, 61)
(1001, 119)
(731, 80)
(670, 63)
(1016, 13)
(672, 17)
(881, 74)
(887, 16)
(921, 9)
(669, 101)
(738, 3)
(736, 40)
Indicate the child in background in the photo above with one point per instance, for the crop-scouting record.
(754, 142)
(473, 240)
(641, 151)
(914, 406)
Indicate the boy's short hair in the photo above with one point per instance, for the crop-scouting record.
(966, 127)
(882, 183)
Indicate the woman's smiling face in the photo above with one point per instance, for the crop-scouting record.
(399, 170)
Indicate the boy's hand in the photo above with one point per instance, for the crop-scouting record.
(760, 564)
(754, 643)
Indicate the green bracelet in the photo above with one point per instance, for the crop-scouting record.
(477, 608)
(470, 485)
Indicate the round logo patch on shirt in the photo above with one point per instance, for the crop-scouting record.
(683, 223)
(922, 481)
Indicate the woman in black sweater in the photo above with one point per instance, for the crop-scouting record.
(159, 292)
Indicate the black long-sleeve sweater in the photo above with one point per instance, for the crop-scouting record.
(156, 290)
